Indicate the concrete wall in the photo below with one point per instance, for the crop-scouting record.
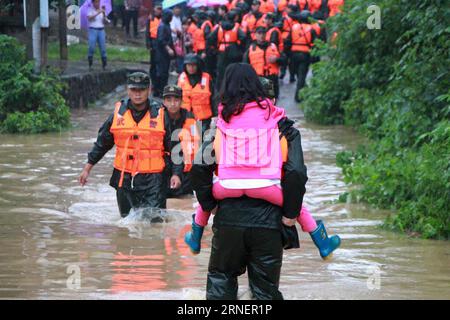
(88, 87)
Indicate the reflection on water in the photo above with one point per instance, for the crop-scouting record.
(50, 226)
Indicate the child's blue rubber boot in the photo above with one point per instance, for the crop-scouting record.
(194, 237)
(325, 244)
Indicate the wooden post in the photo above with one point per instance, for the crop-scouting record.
(44, 48)
(63, 53)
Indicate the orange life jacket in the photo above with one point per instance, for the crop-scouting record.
(153, 27)
(190, 142)
(231, 5)
(288, 22)
(280, 37)
(250, 23)
(314, 5)
(301, 37)
(139, 146)
(259, 59)
(267, 6)
(192, 29)
(282, 5)
(227, 37)
(199, 43)
(335, 6)
(196, 99)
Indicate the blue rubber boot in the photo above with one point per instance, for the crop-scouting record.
(194, 237)
(325, 244)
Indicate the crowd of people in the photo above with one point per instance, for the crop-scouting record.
(248, 168)
(272, 38)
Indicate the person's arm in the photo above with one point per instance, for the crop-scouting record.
(242, 38)
(169, 42)
(288, 42)
(147, 33)
(325, 9)
(211, 40)
(212, 98)
(282, 59)
(246, 58)
(207, 31)
(201, 174)
(175, 170)
(164, 36)
(93, 13)
(104, 143)
(295, 172)
(275, 38)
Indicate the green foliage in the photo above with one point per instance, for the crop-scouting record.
(393, 85)
(29, 103)
(79, 51)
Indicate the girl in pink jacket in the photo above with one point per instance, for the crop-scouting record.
(250, 156)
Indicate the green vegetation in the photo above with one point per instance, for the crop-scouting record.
(79, 51)
(393, 85)
(29, 103)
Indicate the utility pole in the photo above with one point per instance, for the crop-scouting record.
(37, 24)
(45, 24)
(63, 53)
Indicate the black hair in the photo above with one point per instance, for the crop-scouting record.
(224, 8)
(240, 85)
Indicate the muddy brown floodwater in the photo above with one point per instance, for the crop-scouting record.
(52, 230)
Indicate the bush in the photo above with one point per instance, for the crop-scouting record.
(29, 103)
(392, 84)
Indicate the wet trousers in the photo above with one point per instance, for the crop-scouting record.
(301, 61)
(127, 199)
(237, 249)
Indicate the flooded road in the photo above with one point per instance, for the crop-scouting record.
(61, 241)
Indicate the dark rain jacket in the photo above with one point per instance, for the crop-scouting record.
(233, 51)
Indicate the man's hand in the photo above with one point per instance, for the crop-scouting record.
(82, 179)
(288, 222)
(170, 52)
(203, 55)
(175, 182)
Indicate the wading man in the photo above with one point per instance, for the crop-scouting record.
(185, 136)
(140, 130)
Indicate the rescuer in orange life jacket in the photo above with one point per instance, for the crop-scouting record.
(150, 40)
(185, 137)
(140, 130)
(299, 42)
(229, 40)
(265, 58)
(198, 91)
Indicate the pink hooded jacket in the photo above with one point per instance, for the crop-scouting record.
(250, 144)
